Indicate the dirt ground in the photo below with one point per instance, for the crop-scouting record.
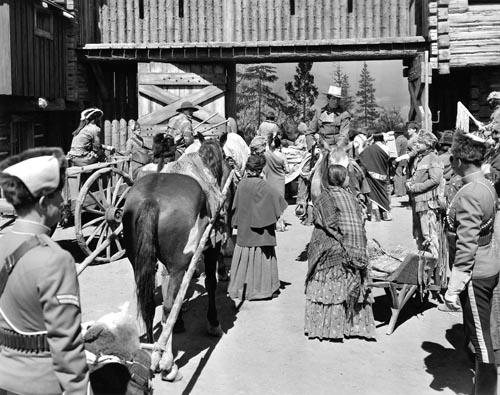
(264, 350)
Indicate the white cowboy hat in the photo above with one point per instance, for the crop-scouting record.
(335, 91)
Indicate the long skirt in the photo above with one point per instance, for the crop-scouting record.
(327, 316)
(255, 270)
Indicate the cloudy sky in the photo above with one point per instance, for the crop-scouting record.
(391, 88)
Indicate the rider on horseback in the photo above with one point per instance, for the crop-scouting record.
(180, 127)
(331, 123)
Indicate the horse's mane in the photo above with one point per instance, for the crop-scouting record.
(163, 149)
(211, 155)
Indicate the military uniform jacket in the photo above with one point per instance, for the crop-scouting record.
(331, 125)
(86, 142)
(42, 296)
(426, 180)
(494, 124)
(470, 220)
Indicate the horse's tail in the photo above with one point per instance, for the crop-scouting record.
(145, 256)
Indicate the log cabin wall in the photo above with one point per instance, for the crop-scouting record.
(464, 33)
(38, 60)
(178, 21)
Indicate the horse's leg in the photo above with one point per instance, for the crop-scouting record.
(211, 255)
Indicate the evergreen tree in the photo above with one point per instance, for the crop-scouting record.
(255, 96)
(342, 79)
(389, 119)
(302, 92)
(366, 99)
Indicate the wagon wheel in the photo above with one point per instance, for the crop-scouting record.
(98, 212)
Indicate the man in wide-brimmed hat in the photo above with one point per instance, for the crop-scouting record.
(331, 125)
(180, 127)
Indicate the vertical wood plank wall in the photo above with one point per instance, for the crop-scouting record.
(250, 20)
(38, 63)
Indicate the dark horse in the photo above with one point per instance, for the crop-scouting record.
(164, 218)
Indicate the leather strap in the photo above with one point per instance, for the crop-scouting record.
(12, 259)
(26, 343)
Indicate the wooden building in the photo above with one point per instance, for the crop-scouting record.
(38, 67)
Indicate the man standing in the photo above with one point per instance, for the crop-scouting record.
(41, 346)
(180, 127)
(331, 123)
(269, 127)
(376, 161)
(474, 274)
(411, 130)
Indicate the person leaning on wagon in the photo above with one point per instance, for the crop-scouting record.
(86, 147)
(332, 124)
(41, 346)
(474, 275)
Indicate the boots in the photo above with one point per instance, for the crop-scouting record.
(486, 379)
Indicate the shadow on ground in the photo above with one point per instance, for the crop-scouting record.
(451, 367)
(382, 309)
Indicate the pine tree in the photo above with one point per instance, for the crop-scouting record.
(389, 119)
(342, 79)
(255, 96)
(366, 98)
(302, 92)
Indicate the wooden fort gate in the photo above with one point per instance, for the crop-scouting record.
(188, 49)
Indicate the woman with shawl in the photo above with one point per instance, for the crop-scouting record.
(257, 207)
(338, 301)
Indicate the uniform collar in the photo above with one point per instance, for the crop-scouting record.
(25, 226)
(477, 175)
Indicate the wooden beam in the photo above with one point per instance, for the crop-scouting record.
(180, 79)
(170, 110)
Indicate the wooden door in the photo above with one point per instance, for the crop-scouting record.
(163, 87)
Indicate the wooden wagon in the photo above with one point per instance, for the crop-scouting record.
(93, 199)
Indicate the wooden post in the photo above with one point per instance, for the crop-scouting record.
(230, 102)
(369, 19)
(376, 18)
(115, 134)
(122, 34)
(343, 30)
(170, 20)
(162, 18)
(123, 135)
(138, 24)
(107, 132)
(146, 23)
(359, 27)
(106, 35)
(153, 21)
(113, 23)
(131, 22)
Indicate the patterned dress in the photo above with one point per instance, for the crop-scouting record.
(338, 302)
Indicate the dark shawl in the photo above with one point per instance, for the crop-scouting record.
(257, 206)
(376, 162)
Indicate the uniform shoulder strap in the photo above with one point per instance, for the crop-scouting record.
(11, 260)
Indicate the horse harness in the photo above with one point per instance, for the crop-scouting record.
(9, 338)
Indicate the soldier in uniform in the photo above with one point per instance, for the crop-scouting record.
(331, 123)
(41, 346)
(474, 274)
(180, 127)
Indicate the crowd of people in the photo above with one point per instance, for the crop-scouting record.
(346, 179)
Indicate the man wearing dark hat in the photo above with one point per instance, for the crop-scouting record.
(41, 347)
(180, 127)
(269, 127)
(474, 274)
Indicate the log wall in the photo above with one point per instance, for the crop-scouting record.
(464, 35)
(154, 21)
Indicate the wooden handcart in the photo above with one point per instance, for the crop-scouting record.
(416, 272)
